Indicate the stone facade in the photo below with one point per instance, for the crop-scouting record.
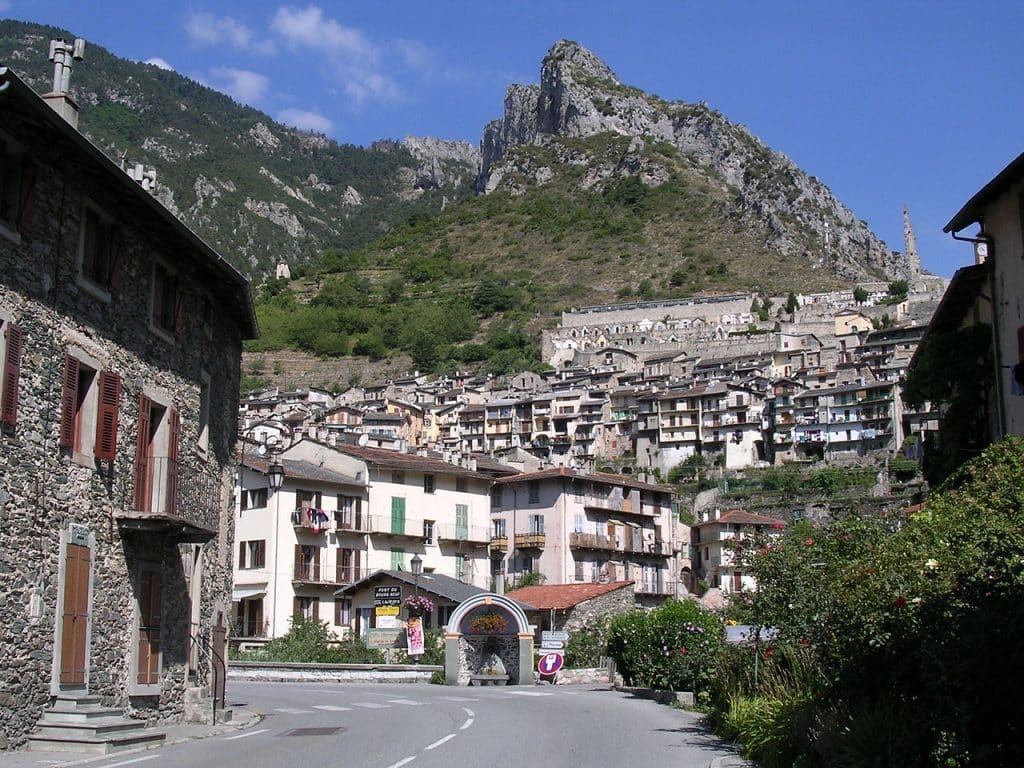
(608, 604)
(473, 648)
(149, 523)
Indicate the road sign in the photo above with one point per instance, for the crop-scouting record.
(550, 635)
(383, 637)
(387, 595)
(386, 610)
(550, 663)
(552, 645)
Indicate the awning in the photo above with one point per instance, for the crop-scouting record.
(247, 591)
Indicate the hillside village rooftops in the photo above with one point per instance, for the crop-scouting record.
(741, 517)
(561, 597)
(382, 457)
(301, 470)
(226, 282)
(599, 477)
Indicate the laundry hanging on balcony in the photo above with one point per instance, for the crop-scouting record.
(309, 517)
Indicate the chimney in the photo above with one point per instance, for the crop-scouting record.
(63, 55)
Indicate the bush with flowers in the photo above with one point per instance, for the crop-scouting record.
(673, 647)
(907, 632)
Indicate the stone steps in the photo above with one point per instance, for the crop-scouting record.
(80, 723)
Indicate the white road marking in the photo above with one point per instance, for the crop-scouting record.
(402, 762)
(292, 711)
(370, 705)
(456, 698)
(245, 735)
(408, 702)
(439, 742)
(468, 711)
(528, 693)
(331, 708)
(134, 760)
(466, 724)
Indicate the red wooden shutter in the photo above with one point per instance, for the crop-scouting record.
(296, 607)
(299, 562)
(26, 204)
(11, 375)
(337, 611)
(316, 609)
(143, 501)
(355, 566)
(173, 447)
(106, 422)
(150, 596)
(115, 260)
(69, 401)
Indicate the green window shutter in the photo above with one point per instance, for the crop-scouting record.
(461, 522)
(397, 515)
(397, 559)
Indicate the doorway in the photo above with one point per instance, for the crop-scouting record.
(75, 615)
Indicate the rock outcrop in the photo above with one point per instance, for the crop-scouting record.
(579, 96)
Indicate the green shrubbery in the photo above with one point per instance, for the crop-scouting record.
(674, 647)
(312, 642)
(898, 641)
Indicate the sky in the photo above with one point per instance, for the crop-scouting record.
(917, 102)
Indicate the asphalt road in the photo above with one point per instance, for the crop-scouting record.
(317, 725)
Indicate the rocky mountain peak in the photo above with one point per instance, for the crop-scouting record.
(567, 60)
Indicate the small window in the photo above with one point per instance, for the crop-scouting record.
(496, 496)
(534, 491)
(17, 187)
(166, 300)
(498, 528)
(536, 524)
(461, 484)
(90, 402)
(428, 531)
(428, 483)
(342, 611)
(397, 559)
(100, 249)
(252, 554)
(254, 498)
(397, 477)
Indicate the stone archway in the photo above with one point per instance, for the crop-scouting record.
(493, 621)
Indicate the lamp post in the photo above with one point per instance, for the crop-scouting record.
(417, 569)
(275, 476)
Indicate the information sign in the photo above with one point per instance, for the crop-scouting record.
(383, 638)
(385, 610)
(553, 635)
(552, 645)
(387, 595)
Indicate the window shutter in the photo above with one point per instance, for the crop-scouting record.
(337, 611)
(115, 260)
(261, 554)
(179, 314)
(68, 401)
(296, 607)
(106, 426)
(241, 554)
(26, 203)
(298, 561)
(316, 609)
(11, 375)
(173, 446)
(142, 459)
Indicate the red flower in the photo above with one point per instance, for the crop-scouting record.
(769, 653)
(682, 651)
(809, 542)
(804, 641)
(901, 602)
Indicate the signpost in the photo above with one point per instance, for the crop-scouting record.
(550, 663)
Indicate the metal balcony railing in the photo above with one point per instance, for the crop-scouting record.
(390, 525)
(471, 533)
(530, 540)
(165, 488)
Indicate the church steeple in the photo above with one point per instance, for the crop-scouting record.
(910, 245)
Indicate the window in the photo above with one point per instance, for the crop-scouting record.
(496, 496)
(166, 314)
(307, 608)
(577, 523)
(17, 186)
(156, 457)
(90, 401)
(536, 524)
(255, 498)
(397, 559)
(578, 574)
(737, 581)
(10, 371)
(461, 484)
(462, 522)
(498, 528)
(428, 483)
(307, 562)
(428, 531)
(397, 477)
(100, 251)
(577, 489)
(463, 568)
(349, 514)
(203, 435)
(347, 566)
(534, 491)
(308, 499)
(342, 611)
(252, 554)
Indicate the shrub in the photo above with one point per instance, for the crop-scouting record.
(588, 642)
(673, 647)
(312, 642)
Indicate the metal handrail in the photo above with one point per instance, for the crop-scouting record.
(214, 659)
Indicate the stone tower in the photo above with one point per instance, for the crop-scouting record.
(910, 245)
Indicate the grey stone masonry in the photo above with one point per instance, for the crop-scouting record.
(87, 258)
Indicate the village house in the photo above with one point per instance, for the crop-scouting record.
(715, 541)
(121, 341)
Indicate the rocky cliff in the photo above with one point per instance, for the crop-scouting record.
(579, 96)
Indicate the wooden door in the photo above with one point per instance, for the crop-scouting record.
(150, 596)
(75, 615)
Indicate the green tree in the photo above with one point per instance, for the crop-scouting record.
(860, 295)
(792, 303)
(898, 289)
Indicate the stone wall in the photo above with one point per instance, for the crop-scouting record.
(471, 651)
(45, 489)
(608, 604)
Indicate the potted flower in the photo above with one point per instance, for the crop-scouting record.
(417, 605)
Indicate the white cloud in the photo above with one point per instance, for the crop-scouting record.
(305, 120)
(241, 84)
(310, 28)
(156, 61)
(205, 29)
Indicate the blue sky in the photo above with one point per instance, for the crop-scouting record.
(886, 102)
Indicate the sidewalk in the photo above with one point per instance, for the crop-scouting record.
(22, 758)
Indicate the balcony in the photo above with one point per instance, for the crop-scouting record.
(398, 527)
(620, 505)
(347, 522)
(530, 540)
(473, 534)
(172, 499)
(310, 520)
(310, 573)
(499, 543)
(657, 588)
(349, 574)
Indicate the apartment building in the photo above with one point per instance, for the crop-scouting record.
(714, 547)
(341, 514)
(851, 419)
(573, 526)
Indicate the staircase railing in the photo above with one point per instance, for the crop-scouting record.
(218, 671)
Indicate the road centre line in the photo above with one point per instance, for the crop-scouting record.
(133, 760)
(466, 724)
(245, 735)
(439, 742)
(402, 762)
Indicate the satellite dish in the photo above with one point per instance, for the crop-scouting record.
(363, 439)
(262, 450)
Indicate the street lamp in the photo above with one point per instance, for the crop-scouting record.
(417, 569)
(275, 476)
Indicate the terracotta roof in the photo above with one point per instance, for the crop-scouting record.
(738, 516)
(600, 477)
(560, 597)
(384, 457)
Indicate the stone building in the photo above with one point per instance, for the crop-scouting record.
(573, 607)
(121, 339)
